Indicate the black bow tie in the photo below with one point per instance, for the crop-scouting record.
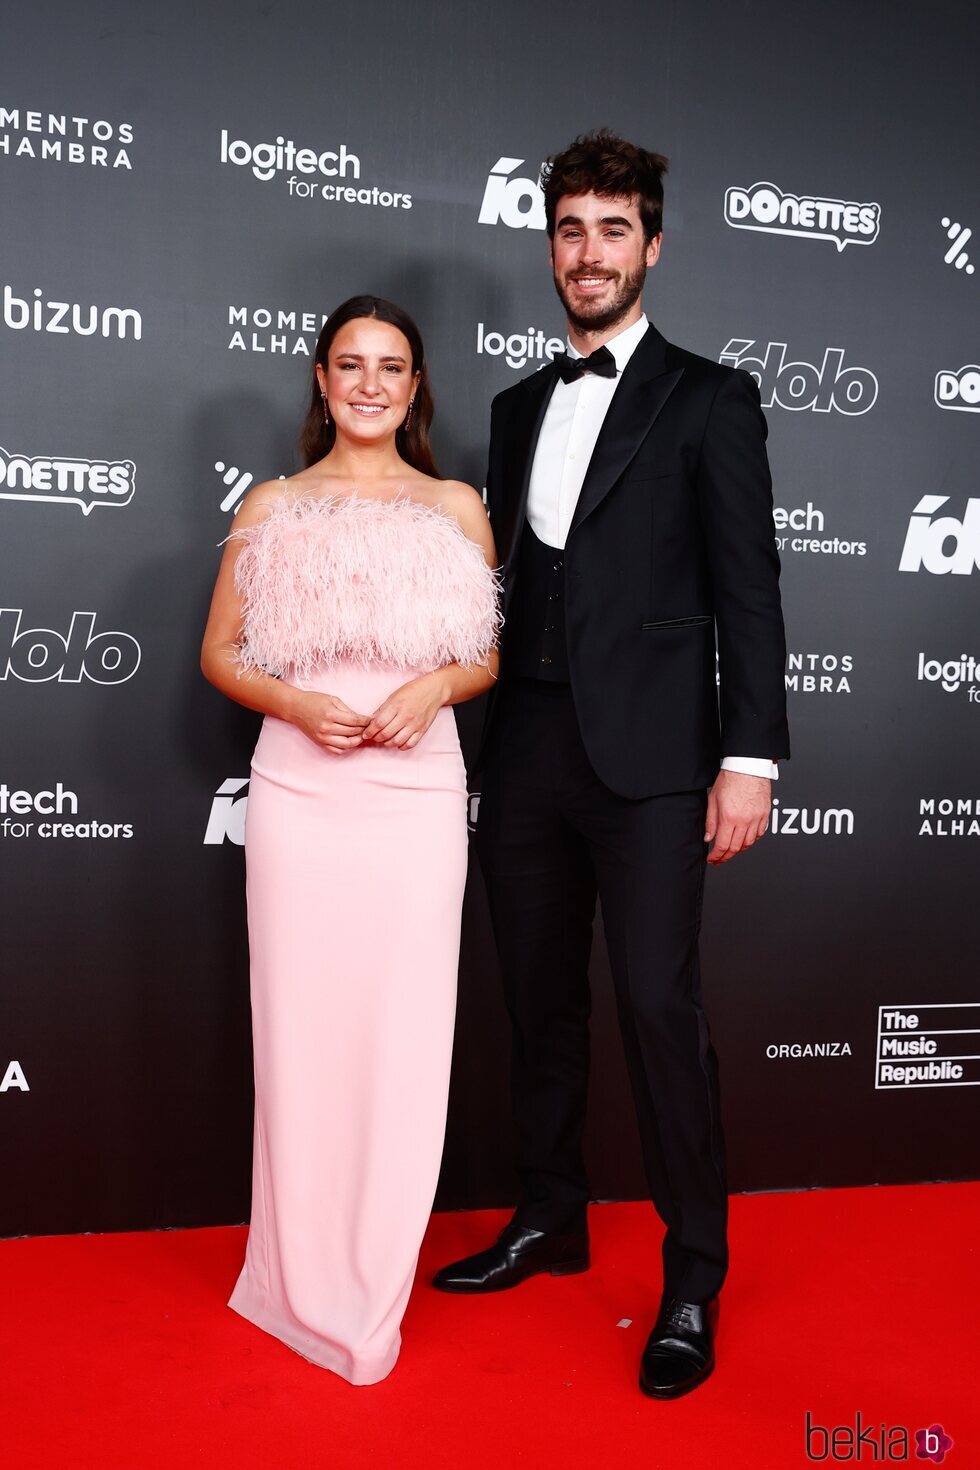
(601, 362)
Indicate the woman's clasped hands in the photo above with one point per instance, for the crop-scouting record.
(400, 721)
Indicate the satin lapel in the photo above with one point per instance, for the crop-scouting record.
(520, 453)
(642, 392)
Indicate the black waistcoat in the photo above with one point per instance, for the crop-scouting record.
(534, 644)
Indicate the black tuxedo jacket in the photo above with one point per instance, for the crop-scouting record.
(671, 554)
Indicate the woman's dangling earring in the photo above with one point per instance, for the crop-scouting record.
(408, 416)
(326, 409)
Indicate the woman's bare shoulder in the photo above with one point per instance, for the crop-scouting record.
(466, 505)
(289, 488)
(257, 503)
(459, 498)
(462, 499)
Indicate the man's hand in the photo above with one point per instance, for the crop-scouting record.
(738, 814)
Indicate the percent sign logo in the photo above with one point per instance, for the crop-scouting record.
(238, 481)
(956, 254)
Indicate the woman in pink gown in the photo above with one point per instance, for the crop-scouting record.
(356, 602)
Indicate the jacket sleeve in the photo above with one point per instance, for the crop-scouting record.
(735, 502)
(495, 478)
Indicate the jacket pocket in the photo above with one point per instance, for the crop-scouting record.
(648, 472)
(700, 621)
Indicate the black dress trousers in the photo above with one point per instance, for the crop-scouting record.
(551, 837)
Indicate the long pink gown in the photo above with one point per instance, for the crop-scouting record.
(355, 872)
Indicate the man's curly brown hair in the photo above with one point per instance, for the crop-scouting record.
(604, 164)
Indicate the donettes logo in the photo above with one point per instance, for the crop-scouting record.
(764, 207)
(959, 391)
(67, 480)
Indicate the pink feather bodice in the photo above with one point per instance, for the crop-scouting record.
(372, 581)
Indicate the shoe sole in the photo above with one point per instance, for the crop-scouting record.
(562, 1268)
(678, 1393)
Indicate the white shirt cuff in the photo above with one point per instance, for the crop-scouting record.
(749, 765)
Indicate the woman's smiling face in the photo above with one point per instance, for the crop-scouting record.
(368, 380)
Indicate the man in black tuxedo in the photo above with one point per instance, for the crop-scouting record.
(630, 497)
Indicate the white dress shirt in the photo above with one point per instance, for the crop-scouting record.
(571, 425)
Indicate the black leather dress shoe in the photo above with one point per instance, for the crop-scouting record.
(518, 1254)
(680, 1352)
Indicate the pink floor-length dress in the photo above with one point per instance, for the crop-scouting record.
(355, 872)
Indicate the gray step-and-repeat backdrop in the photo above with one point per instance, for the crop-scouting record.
(187, 190)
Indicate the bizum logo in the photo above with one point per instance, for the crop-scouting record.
(69, 317)
(518, 203)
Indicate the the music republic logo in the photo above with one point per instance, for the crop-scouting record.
(801, 385)
(63, 481)
(960, 390)
(226, 820)
(926, 539)
(766, 208)
(38, 655)
(517, 203)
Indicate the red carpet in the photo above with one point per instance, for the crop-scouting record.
(118, 1352)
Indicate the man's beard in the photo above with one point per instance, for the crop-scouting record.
(599, 318)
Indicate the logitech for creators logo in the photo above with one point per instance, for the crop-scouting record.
(267, 160)
(843, 1442)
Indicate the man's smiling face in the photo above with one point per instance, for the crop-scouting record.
(600, 259)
